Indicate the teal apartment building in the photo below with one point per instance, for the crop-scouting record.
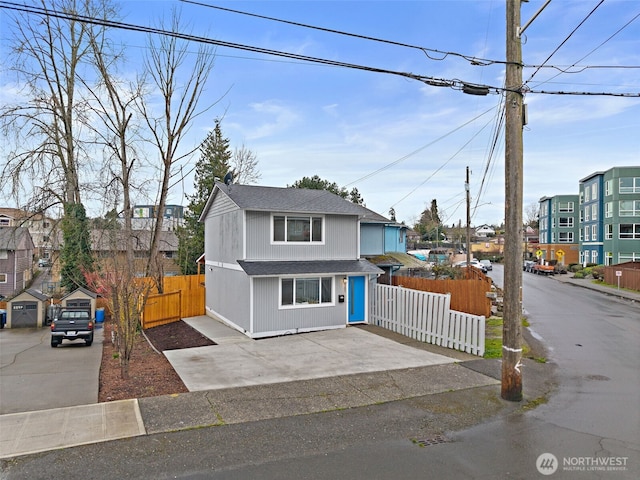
(610, 216)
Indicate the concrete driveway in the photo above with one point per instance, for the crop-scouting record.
(237, 361)
(34, 376)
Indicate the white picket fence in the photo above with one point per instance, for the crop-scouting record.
(426, 317)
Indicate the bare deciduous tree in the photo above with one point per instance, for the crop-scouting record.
(179, 78)
(244, 164)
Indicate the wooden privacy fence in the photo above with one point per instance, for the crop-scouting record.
(468, 296)
(629, 276)
(427, 317)
(183, 298)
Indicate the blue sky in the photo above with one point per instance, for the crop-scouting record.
(303, 119)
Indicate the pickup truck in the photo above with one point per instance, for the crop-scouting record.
(539, 268)
(72, 325)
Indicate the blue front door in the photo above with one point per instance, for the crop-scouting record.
(356, 299)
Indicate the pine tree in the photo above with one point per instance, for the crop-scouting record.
(215, 156)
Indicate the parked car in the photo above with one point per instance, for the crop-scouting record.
(487, 264)
(43, 263)
(472, 263)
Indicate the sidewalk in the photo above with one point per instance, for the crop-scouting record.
(364, 365)
(606, 289)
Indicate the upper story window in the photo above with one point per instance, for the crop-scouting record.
(608, 210)
(289, 228)
(594, 212)
(594, 191)
(629, 208)
(4, 254)
(566, 222)
(608, 188)
(565, 207)
(629, 185)
(586, 194)
(565, 237)
(630, 230)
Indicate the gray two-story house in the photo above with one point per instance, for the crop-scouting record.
(284, 260)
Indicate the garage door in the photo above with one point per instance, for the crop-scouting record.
(24, 315)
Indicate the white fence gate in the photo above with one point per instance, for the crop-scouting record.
(426, 317)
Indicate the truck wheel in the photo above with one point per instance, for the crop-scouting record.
(88, 342)
(54, 343)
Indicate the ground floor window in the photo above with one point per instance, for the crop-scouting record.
(305, 291)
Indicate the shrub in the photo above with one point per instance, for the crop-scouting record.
(574, 267)
(598, 272)
(579, 274)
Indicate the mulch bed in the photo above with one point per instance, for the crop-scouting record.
(176, 335)
(150, 373)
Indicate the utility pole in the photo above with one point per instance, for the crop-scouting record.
(512, 327)
(467, 188)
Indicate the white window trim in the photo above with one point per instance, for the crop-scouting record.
(307, 305)
(300, 215)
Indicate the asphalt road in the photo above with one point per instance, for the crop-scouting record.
(34, 376)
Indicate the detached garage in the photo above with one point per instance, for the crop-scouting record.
(27, 310)
(80, 298)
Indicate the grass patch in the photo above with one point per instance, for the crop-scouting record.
(493, 338)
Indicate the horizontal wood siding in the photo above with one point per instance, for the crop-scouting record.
(268, 317)
(468, 296)
(341, 233)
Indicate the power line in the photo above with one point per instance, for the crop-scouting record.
(476, 61)
(593, 50)
(565, 41)
(455, 84)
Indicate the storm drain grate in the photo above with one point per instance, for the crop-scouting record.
(426, 442)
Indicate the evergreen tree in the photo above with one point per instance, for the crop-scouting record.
(75, 253)
(214, 161)
(317, 183)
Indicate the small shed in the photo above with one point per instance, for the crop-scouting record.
(27, 310)
(80, 298)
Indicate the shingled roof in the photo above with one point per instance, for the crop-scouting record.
(285, 200)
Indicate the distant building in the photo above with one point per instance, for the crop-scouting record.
(41, 228)
(559, 227)
(610, 216)
(144, 217)
(599, 225)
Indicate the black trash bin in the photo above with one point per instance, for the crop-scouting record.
(3, 318)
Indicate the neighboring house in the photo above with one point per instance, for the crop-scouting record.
(379, 235)
(41, 228)
(107, 243)
(484, 231)
(559, 228)
(284, 260)
(16, 260)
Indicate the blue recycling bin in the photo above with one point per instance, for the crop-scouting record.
(99, 315)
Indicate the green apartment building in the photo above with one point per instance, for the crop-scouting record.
(559, 228)
(610, 216)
